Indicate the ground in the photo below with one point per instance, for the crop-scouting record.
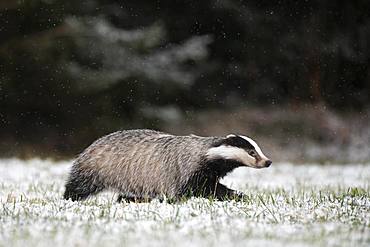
(285, 205)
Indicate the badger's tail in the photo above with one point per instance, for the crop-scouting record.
(82, 184)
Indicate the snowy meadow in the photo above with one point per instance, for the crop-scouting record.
(286, 204)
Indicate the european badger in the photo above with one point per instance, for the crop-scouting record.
(146, 164)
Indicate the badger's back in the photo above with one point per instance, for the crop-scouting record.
(140, 162)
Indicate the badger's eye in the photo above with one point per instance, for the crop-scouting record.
(252, 153)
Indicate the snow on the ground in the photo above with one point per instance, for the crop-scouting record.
(285, 205)
(289, 176)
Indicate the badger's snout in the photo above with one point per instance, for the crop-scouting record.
(268, 163)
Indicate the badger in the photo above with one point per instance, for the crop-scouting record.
(147, 164)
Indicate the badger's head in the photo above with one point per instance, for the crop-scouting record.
(240, 149)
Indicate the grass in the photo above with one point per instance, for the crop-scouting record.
(285, 205)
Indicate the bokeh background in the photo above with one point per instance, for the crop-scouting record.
(294, 75)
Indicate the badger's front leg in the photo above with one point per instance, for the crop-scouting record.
(221, 192)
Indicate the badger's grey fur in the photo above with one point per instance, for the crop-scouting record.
(145, 164)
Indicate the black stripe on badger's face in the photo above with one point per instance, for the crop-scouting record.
(240, 148)
(236, 141)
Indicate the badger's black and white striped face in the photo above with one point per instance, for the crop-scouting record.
(241, 149)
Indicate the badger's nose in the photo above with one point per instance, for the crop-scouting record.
(268, 163)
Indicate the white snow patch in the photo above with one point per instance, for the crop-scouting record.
(286, 204)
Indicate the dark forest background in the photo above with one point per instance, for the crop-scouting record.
(71, 71)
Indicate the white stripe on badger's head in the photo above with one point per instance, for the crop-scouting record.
(241, 149)
(231, 153)
(256, 147)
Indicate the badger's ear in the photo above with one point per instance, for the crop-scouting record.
(229, 140)
(221, 141)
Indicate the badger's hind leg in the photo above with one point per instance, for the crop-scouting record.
(82, 184)
(132, 198)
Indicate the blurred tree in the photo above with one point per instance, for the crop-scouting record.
(73, 70)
